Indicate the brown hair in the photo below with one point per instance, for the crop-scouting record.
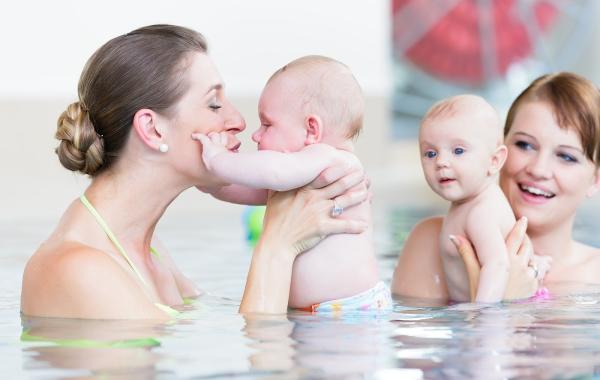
(141, 69)
(330, 90)
(575, 102)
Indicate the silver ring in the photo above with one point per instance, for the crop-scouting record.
(535, 271)
(336, 210)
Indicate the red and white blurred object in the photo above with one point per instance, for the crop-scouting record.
(469, 42)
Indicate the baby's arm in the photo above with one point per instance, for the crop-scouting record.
(269, 169)
(488, 241)
(239, 194)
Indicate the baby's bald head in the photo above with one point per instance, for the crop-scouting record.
(327, 88)
(473, 113)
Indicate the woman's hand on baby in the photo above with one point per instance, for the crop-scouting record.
(213, 144)
(303, 217)
(523, 281)
(540, 266)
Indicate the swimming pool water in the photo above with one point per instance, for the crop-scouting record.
(557, 338)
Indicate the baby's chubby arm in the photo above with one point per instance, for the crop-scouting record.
(270, 169)
(488, 241)
(242, 195)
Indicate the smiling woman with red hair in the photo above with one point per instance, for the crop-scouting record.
(553, 137)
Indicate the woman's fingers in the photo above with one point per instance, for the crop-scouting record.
(350, 199)
(467, 253)
(328, 176)
(515, 238)
(329, 227)
(343, 226)
(342, 184)
(525, 253)
(331, 175)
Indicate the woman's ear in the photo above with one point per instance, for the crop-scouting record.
(145, 125)
(595, 186)
(498, 159)
(314, 129)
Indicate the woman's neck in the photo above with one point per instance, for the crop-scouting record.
(556, 241)
(131, 202)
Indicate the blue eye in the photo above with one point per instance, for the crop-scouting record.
(523, 145)
(458, 151)
(567, 158)
(430, 154)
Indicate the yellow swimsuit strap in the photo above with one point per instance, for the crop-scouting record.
(121, 250)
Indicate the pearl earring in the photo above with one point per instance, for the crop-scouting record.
(164, 148)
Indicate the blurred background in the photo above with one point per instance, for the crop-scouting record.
(406, 54)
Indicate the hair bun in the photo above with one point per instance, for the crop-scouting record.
(81, 148)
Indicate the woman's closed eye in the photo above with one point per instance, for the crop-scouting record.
(214, 106)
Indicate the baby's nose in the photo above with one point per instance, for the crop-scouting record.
(256, 136)
(441, 161)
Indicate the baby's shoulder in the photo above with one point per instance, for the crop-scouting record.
(348, 157)
(489, 211)
(493, 203)
(342, 155)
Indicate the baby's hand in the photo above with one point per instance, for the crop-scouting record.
(212, 145)
(542, 264)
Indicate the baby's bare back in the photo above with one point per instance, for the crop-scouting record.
(340, 266)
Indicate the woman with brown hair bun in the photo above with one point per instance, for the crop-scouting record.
(141, 96)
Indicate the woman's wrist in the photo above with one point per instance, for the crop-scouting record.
(269, 278)
(271, 249)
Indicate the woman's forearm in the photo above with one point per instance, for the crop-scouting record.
(268, 282)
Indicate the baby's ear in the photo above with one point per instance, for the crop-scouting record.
(498, 159)
(314, 129)
(595, 186)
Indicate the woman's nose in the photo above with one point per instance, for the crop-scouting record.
(539, 167)
(234, 122)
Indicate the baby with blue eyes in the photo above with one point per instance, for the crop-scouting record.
(460, 140)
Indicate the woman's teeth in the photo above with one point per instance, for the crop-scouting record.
(536, 191)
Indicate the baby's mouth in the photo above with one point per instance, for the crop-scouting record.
(536, 192)
(446, 180)
(236, 147)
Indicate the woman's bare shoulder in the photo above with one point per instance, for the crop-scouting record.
(419, 271)
(589, 265)
(428, 225)
(73, 280)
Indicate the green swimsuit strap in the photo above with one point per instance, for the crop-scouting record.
(111, 236)
(91, 343)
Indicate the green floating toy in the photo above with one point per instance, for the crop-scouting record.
(253, 222)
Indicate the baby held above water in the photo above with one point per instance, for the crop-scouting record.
(310, 111)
